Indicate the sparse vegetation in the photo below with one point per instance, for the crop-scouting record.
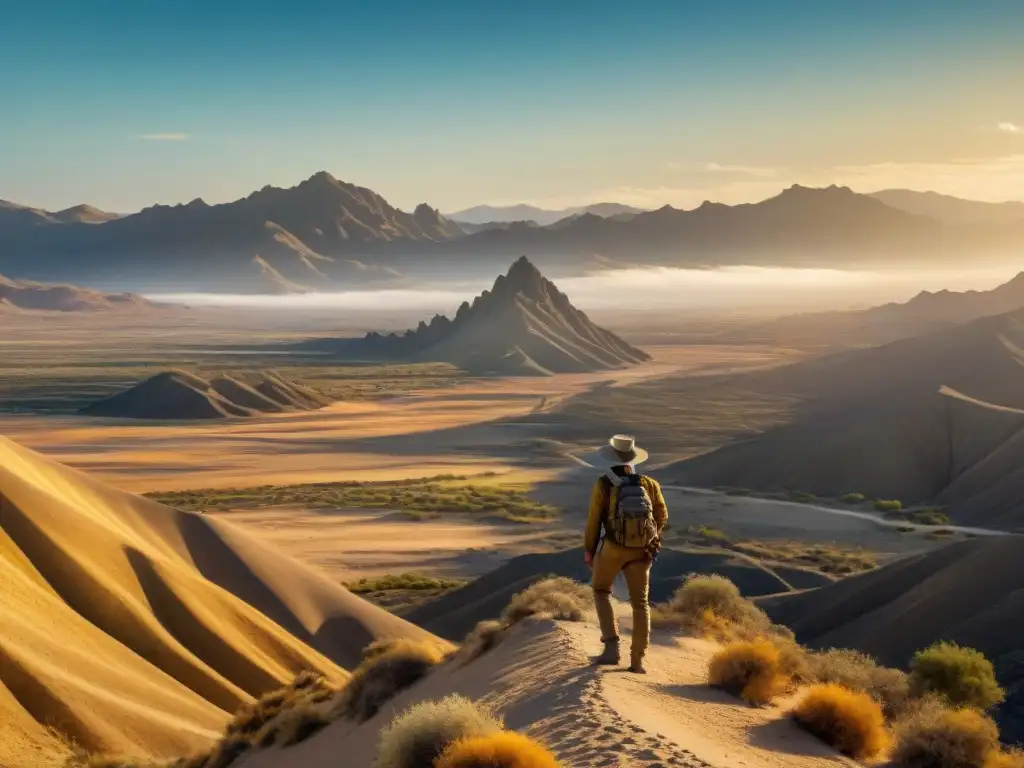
(712, 605)
(929, 516)
(853, 498)
(935, 736)
(506, 749)
(962, 676)
(555, 597)
(888, 505)
(385, 672)
(748, 668)
(444, 493)
(401, 581)
(850, 721)
(484, 636)
(419, 736)
(827, 558)
(859, 672)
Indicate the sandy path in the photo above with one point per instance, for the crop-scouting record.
(673, 702)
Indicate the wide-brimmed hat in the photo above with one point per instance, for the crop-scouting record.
(622, 449)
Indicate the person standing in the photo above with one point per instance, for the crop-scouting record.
(623, 535)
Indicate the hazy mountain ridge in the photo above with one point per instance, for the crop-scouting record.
(927, 311)
(951, 210)
(507, 214)
(325, 234)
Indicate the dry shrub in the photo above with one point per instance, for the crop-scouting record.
(962, 676)
(253, 718)
(712, 605)
(850, 721)
(1011, 758)
(935, 736)
(750, 669)
(505, 749)
(304, 722)
(417, 738)
(555, 597)
(383, 675)
(398, 645)
(859, 672)
(483, 638)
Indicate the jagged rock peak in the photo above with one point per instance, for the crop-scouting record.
(523, 275)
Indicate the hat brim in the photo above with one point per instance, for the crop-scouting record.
(611, 458)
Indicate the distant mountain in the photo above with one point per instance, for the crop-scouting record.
(12, 214)
(925, 312)
(937, 419)
(274, 239)
(326, 234)
(181, 395)
(523, 326)
(29, 295)
(490, 214)
(951, 210)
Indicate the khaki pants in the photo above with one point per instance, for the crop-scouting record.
(610, 560)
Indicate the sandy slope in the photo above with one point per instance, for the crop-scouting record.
(540, 680)
(129, 626)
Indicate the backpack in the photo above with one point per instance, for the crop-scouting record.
(630, 521)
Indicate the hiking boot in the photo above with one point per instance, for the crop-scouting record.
(637, 667)
(610, 655)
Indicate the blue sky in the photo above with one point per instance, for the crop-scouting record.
(126, 104)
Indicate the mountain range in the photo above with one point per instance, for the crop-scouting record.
(927, 311)
(488, 214)
(523, 326)
(326, 234)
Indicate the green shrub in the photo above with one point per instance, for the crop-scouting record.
(853, 498)
(888, 505)
(962, 676)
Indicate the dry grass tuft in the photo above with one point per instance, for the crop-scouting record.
(935, 736)
(859, 672)
(483, 638)
(228, 750)
(382, 675)
(418, 737)
(962, 676)
(1011, 758)
(506, 749)
(711, 605)
(555, 597)
(751, 669)
(850, 721)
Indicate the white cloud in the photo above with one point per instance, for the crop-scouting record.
(166, 136)
(1008, 127)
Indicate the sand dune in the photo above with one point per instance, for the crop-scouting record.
(182, 395)
(540, 680)
(132, 627)
(971, 592)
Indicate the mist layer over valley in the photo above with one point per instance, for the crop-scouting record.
(762, 290)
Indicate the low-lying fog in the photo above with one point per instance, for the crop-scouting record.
(756, 289)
